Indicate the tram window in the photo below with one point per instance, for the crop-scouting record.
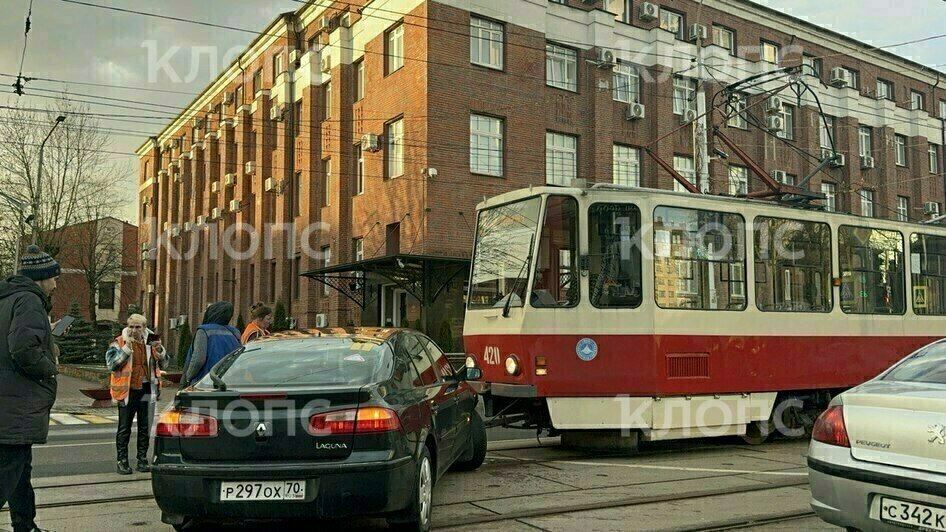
(792, 265)
(699, 259)
(615, 255)
(928, 271)
(556, 267)
(872, 273)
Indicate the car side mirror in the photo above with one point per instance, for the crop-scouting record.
(471, 374)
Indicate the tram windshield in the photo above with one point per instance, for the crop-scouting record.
(503, 256)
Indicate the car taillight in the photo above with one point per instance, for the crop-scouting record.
(178, 424)
(361, 420)
(830, 429)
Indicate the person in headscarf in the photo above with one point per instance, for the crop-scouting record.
(215, 338)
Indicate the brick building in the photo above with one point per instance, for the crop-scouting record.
(106, 251)
(356, 142)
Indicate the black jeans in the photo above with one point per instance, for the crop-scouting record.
(139, 405)
(16, 468)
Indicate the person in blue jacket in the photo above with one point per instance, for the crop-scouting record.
(214, 339)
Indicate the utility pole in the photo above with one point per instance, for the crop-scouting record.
(20, 209)
(702, 142)
(39, 179)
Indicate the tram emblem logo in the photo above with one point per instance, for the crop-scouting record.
(937, 434)
(587, 349)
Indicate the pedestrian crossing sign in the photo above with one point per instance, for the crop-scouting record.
(919, 297)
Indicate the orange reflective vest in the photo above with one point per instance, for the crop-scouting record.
(252, 332)
(120, 381)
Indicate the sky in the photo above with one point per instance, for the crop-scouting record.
(78, 43)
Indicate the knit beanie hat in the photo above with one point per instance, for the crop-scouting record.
(38, 265)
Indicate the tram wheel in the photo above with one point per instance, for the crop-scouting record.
(758, 432)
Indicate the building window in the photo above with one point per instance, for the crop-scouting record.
(327, 93)
(486, 145)
(901, 149)
(358, 249)
(864, 141)
(106, 296)
(238, 96)
(826, 129)
(903, 209)
(830, 191)
(297, 194)
(814, 66)
(916, 101)
(725, 37)
(486, 43)
(884, 89)
(257, 82)
(785, 178)
(277, 66)
(327, 190)
(360, 171)
(788, 117)
(671, 21)
(872, 271)
(326, 262)
(853, 78)
(626, 84)
(738, 181)
(933, 152)
(626, 168)
(621, 9)
(561, 158)
(685, 167)
(867, 203)
(395, 151)
(771, 53)
(684, 93)
(736, 109)
(561, 67)
(360, 81)
(942, 108)
(395, 49)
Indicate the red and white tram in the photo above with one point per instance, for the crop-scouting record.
(680, 315)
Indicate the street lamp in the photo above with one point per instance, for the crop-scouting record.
(20, 208)
(39, 178)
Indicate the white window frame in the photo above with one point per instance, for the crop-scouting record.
(830, 191)
(788, 119)
(360, 172)
(395, 148)
(626, 165)
(328, 100)
(916, 100)
(395, 49)
(739, 119)
(667, 19)
(625, 13)
(865, 141)
(561, 67)
(738, 180)
(884, 89)
(933, 153)
(867, 202)
(327, 176)
(278, 66)
(721, 35)
(686, 167)
(626, 84)
(326, 262)
(825, 132)
(777, 50)
(900, 150)
(903, 208)
(561, 158)
(487, 38)
(684, 94)
(942, 108)
(488, 143)
(360, 80)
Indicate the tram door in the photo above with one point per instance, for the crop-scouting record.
(393, 306)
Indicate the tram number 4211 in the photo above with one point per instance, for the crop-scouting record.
(491, 355)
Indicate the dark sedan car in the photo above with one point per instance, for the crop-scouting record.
(324, 424)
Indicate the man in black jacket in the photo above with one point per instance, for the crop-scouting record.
(27, 379)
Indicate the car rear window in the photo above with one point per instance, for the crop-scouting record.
(928, 365)
(309, 361)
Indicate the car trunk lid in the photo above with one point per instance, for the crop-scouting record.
(269, 425)
(898, 423)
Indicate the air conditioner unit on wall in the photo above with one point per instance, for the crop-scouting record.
(294, 56)
(635, 111)
(867, 162)
(270, 185)
(172, 323)
(202, 219)
(188, 227)
(150, 288)
(215, 187)
(276, 113)
(321, 320)
(249, 167)
(839, 162)
(775, 123)
(371, 143)
(779, 175)
(689, 115)
(326, 23)
(605, 58)
(325, 64)
(227, 98)
(230, 180)
(931, 208)
(773, 105)
(215, 213)
(649, 12)
(840, 77)
(698, 31)
(235, 205)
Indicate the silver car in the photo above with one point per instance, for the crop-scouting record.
(877, 459)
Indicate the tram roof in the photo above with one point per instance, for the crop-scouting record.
(607, 189)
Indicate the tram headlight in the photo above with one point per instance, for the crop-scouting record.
(470, 362)
(512, 365)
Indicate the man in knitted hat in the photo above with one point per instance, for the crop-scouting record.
(27, 379)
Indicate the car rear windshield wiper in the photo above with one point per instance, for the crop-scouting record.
(218, 382)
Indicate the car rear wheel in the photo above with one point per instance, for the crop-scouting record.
(474, 456)
(416, 518)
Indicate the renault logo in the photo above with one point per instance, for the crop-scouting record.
(261, 430)
(937, 434)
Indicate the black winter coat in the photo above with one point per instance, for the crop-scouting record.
(27, 364)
